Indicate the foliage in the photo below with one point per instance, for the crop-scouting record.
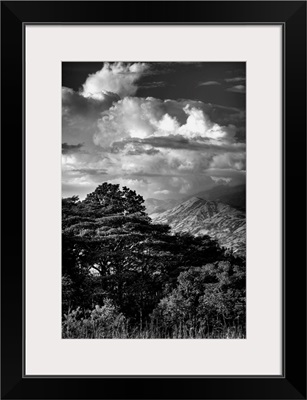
(153, 281)
(206, 299)
(109, 199)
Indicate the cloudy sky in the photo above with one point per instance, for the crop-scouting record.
(166, 130)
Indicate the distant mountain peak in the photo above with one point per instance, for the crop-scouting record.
(206, 217)
(195, 198)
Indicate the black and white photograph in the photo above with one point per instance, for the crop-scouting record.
(153, 200)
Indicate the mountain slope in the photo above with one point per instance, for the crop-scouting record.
(202, 217)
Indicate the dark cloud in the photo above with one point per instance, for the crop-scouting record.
(80, 114)
(229, 116)
(178, 142)
(150, 85)
(71, 148)
(241, 134)
(74, 104)
(183, 80)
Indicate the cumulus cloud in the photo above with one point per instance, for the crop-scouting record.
(221, 180)
(237, 89)
(139, 118)
(74, 103)
(160, 148)
(229, 160)
(181, 172)
(80, 114)
(119, 78)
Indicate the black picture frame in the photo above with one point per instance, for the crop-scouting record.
(292, 16)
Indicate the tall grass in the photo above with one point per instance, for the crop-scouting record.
(105, 323)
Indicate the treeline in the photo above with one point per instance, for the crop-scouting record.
(126, 277)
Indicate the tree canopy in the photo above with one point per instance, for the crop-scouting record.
(113, 254)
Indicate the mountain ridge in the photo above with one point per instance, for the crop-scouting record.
(199, 216)
(234, 196)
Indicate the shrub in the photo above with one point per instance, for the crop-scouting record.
(101, 322)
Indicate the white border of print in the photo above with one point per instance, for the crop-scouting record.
(46, 353)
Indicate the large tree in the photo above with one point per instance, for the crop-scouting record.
(108, 198)
(113, 251)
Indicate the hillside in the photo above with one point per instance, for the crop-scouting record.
(199, 217)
